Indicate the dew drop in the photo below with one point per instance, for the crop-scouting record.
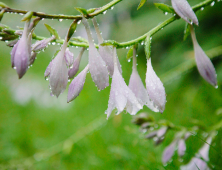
(142, 43)
(202, 8)
(212, 4)
(0, 38)
(60, 20)
(104, 12)
(43, 19)
(129, 60)
(165, 13)
(112, 7)
(216, 86)
(79, 22)
(53, 43)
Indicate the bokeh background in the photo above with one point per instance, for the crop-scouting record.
(38, 131)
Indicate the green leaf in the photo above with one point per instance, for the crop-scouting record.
(130, 53)
(186, 31)
(82, 10)
(91, 10)
(72, 29)
(27, 16)
(142, 2)
(52, 31)
(165, 8)
(147, 46)
(1, 14)
(3, 5)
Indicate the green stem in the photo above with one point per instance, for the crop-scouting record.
(54, 16)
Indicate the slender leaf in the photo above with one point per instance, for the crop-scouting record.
(52, 31)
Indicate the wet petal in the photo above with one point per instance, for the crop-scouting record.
(155, 88)
(59, 73)
(77, 84)
(32, 58)
(40, 45)
(120, 93)
(168, 152)
(204, 64)
(48, 70)
(97, 66)
(184, 10)
(69, 57)
(13, 53)
(137, 87)
(181, 147)
(75, 67)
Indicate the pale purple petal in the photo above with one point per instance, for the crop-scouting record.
(162, 131)
(48, 70)
(77, 84)
(120, 93)
(181, 147)
(155, 88)
(168, 152)
(184, 10)
(40, 45)
(59, 73)
(75, 67)
(151, 135)
(69, 57)
(32, 58)
(97, 66)
(137, 87)
(21, 53)
(204, 64)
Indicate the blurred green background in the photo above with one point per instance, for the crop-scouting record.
(38, 131)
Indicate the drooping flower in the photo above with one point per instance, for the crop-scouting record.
(168, 152)
(181, 147)
(21, 51)
(155, 88)
(106, 52)
(58, 72)
(204, 64)
(137, 87)
(97, 66)
(75, 67)
(184, 10)
(40, 45)
(76, 85)
(120, 93)
(197, 162)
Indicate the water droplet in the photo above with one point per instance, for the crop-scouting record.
(165, 13)
(60, 20)
(216, 86)
(14, 68)
(79, 22)
(21, 14)
(104, 12)
(127, 47)
(43, 19)
(0, 38)
(142, 43)
(202, 8)
(112, 7)
(212, 4)
(129, 60)
(53, 43)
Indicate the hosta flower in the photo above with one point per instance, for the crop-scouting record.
(75, 67)
(69, 57)
(97, 66)
(40, 45)
(21, 51)
(137, 87)
(120, 94)
(106, 52)
(204, 65)
(76, 85)
(197, 162)
(168, 152)
(58, 72)
(155, 88)
(184, 10)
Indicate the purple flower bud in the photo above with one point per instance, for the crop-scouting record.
(184, 10)
(40, 45)
(204, 65)
(69, 57)
(76, 85)
(181, 147)
(197, 161)
(32, 58)
(137, 87)
(151, 135)
(75, 67)
(21, 52)
(155, 88)
(97, 66)
(105, 51)
(168, 152)
(58, 72)
(162, 131)
(120, 93)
